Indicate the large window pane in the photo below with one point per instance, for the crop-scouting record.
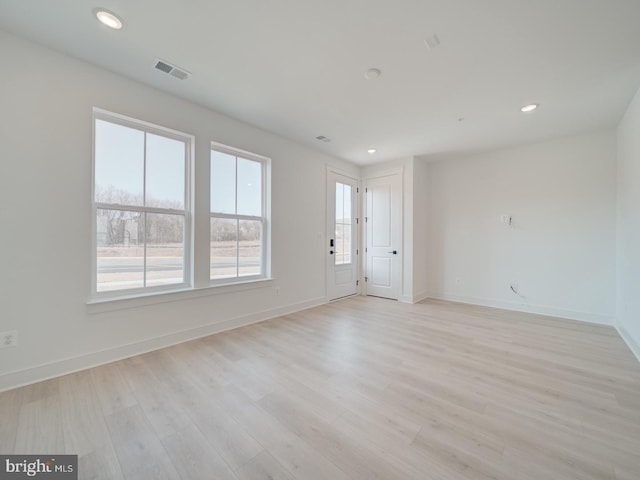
(119, 164)
(249, 187)
(224, 248)
(343, 224)
(339, 202)
(237, 216)
(120, 250)
(250, 247)
(141, 206)
(346, 211)
(165, 172)
(165, 249)
(223, 183)
(346, 243)
(339, 244)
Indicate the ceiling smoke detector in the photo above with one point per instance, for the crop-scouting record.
(372, 73)
(432, 41)
(172, 70)
(322, 138)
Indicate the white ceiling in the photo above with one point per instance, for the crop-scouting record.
(296, 67)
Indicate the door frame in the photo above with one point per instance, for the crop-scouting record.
(399, 274)
(329, 224)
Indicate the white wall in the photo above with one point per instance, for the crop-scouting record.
(561, 246)
(46, 103)
(628, 258)
(420, 231)
(406, 294)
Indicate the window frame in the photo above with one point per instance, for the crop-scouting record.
(187, 212)
(264, 218)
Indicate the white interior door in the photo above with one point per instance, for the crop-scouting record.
(383, 219)
(342, 259)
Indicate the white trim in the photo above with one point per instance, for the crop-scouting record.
(359, 245)
(239, 280)
(536, 309)
(333, 300)
(27, 376)
(414, 298)
(92, 202)
(344, 173)
(265, 218)
(137, 292)
(231, 216)
(99, 305)
(238, 152)
(135, 123)
(420, 296)
(332, 177)
(386, 173)
(133, 208)
(186, 212)
(399, 276)
(629, 340)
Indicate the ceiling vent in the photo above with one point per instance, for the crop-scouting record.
(171, 70)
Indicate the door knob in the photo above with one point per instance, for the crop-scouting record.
(395, 252)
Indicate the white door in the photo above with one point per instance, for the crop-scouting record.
(342, 228)
(383, 219)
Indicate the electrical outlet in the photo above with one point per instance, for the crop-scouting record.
(277, 289)
(9, 339)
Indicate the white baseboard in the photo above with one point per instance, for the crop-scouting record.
(415, 298)
(519, 307)
(38, 373)
(629, 340)
(418, 297)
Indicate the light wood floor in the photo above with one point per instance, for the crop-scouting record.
(362, 388)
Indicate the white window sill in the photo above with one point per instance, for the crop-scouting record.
(101, 305)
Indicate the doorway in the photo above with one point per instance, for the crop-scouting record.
(342, 242)
(383, 227)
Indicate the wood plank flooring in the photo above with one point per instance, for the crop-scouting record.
(362, 388)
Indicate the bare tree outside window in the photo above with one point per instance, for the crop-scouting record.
(140, 206)
(238, 217)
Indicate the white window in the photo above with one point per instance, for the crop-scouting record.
(344, 224)
(141, 206)
(239, 215)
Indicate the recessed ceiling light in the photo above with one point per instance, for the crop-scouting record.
(371, 151)
(529, 108)
(108, 18)
(372, 73)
